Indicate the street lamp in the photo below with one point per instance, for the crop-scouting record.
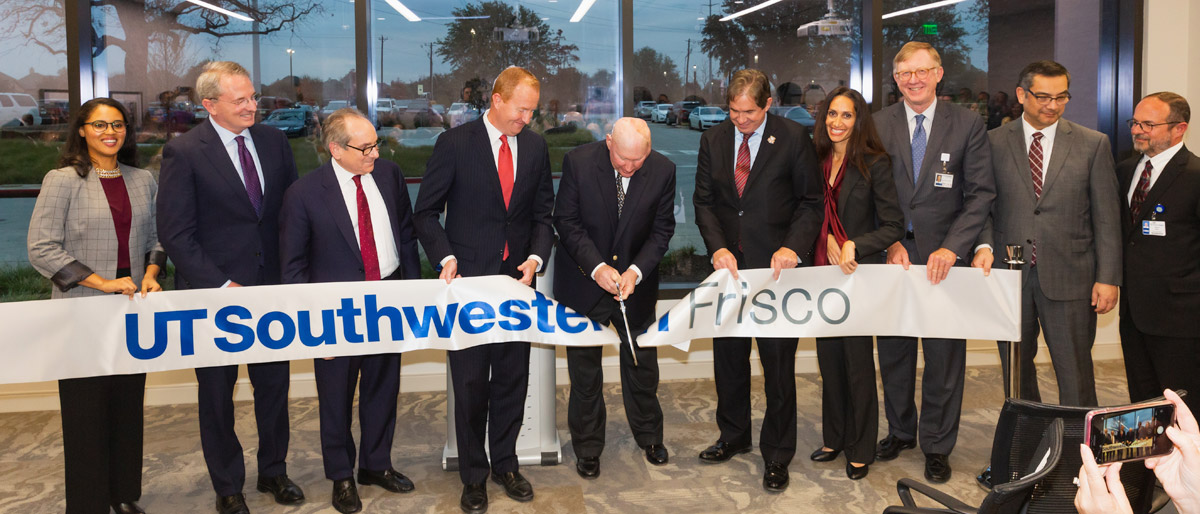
(291, 75)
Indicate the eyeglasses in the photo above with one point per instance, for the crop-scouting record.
(100, 125)
(1147, 126)
(921, 73)
(366, 150)
(240, 102)
(1044, 99)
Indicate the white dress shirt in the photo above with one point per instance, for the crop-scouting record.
(753, 143)
(381, 224)
(231, 147)
(1047, 142)
(1160, 161)
(927, 122)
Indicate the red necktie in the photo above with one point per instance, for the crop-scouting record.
(1139, 194)
(1035, 168)
(506, 177)
(741, 171)
(366, 234)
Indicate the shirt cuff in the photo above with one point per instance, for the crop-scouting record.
(446, 259)
(539, 261)
(226, 284)
(982, 246)
(639, 273)
(594, 270)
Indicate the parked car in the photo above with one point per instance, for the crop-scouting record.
(680, 110)
(796, 113)
(293, 122)
(18, 109)
(332, 106)
(644, 109)
(53, 111)
(269, 104)
(420, 114)
(704, 117)
(659, 114)
(387, 109)
(461, 112)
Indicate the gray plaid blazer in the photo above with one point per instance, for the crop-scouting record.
(71, 233)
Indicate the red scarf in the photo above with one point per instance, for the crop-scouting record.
(831, 225)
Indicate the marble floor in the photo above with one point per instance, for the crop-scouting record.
(176, 481)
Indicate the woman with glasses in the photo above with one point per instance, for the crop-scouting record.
(93, 233)
(862, 218)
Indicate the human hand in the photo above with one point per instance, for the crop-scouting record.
(983, 260)
(1104, 297)
(832, 253)
(527, 269)
(628, 283)
(1179, 471)
(897, 254)
(1100, 490)
(939, 264)
(449, 271)
(783, 258)
(724, 259)
(608, 279)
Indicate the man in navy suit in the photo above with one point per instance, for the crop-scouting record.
(616, 199)
(351, 220)
(219, 194)
(492, 178)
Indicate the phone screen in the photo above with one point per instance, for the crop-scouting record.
(1132, 433)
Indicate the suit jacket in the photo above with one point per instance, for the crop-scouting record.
(72, 235)
(1075, 222)
(782, 202)
(317, 239)
(869, 210)
(591, 233)
(1162, 273)
(950, 217)
(205, 218)
(461, 178)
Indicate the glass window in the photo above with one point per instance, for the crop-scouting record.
(684, 55)
(33, 109)
(437, 64)
(299, 54)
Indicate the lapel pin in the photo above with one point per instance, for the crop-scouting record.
(771, 140)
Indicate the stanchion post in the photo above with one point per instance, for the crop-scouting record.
(1014, 257)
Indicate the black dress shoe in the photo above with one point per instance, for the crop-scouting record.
(389, 479)
(776, 478)
(856, 472)
(285, 491)
(515, 485)
(891, 446)
(233, 504)
(128, 508)
(588, 467)
(937, 467)
(721, 452)
(657, 454)
(345, 496)
(823, 455)
(474, 498)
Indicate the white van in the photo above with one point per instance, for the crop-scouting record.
(18, 109)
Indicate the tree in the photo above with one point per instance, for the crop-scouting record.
(165, 24)
(503, 37)
(656, 73)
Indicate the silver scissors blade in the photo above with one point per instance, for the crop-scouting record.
(628, 333)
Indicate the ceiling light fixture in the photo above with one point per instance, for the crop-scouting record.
(746, 11)
(582, 10)
(221, 10)
(404, 11)
(919, 8)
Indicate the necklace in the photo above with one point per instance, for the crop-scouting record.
(114, 173)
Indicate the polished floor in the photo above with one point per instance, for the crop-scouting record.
(176, 480)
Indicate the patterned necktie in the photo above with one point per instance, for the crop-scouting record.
(918, 147)
(1035, 163)
(505, 166)
(620, 195)
(1139, 194)
(366, 233)
(741, 171)
(250, 172)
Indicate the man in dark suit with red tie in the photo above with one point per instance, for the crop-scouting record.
(615, 214)
(347, 221)
(492, 178)
(1160, 295)
(219, 194)
(758, 204)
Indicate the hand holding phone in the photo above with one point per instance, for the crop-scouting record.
(1128, 433)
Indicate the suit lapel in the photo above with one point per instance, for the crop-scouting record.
(1064, 139)
(722, 163)
(633, 195)
(766, 149)
(851, 179)
(335, 203)
(1014, 141)
(903, 146)
(219, 159)
(480, 139)
(387, 183)
(1170, 172)
(605, 180)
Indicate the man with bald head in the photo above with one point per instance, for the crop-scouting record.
(615, 215)
(351, 220)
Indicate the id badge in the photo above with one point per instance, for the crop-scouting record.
(1154, 228)
(943, 180)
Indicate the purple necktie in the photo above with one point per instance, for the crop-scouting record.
(253, 187)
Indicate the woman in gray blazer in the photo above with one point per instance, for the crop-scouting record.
(93, 226)
(862, 218)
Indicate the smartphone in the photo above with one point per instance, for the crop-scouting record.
(1132, 432)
